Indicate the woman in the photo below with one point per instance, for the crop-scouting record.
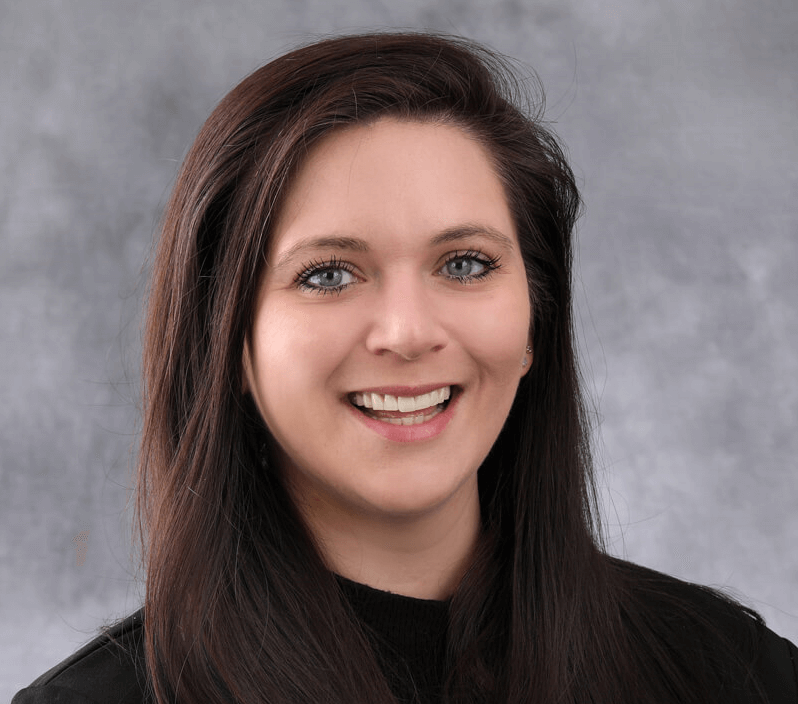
(364, 473)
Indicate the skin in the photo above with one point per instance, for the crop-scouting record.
(399, 516)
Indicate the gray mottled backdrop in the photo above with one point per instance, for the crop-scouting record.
(681, 119)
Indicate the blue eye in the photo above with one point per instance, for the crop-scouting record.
(468, 267)
(333, 276)
(463, 267)
(330, 278)
(326, 277)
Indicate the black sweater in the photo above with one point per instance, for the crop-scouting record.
(409, 636)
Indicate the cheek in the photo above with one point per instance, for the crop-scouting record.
(497, 337)
(295, 353)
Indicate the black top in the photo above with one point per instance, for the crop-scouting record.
(408, 634)
(409, 638)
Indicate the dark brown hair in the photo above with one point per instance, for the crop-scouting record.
(239, 606)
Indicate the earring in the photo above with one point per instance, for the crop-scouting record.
(524, 361)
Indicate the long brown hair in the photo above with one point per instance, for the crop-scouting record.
(239, 606)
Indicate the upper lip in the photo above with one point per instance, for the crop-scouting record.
(406, 391)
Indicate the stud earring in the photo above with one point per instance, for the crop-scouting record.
(524, 361)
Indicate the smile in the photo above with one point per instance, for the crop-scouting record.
(402, 410)
(414, 418)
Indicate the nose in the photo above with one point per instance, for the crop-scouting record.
(406, 321)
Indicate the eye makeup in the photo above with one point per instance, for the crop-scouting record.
(324, 276)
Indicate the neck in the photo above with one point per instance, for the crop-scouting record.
(424, 555)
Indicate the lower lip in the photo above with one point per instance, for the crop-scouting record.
(409, 433)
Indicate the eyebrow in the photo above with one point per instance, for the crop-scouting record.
(353, 244)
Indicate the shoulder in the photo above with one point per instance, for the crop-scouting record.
(108, 670)
(702, 622)
(777, 667)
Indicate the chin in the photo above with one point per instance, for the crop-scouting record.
(405, 499)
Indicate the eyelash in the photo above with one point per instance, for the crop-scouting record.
(319, 266)
(315, 267)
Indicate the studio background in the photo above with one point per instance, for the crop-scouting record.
(680, 120)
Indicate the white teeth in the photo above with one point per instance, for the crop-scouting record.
(405, 404)
(412, 420)
(409, 404)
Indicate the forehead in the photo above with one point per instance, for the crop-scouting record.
(392, 181)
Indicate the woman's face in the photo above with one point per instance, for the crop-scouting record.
(394, 273)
